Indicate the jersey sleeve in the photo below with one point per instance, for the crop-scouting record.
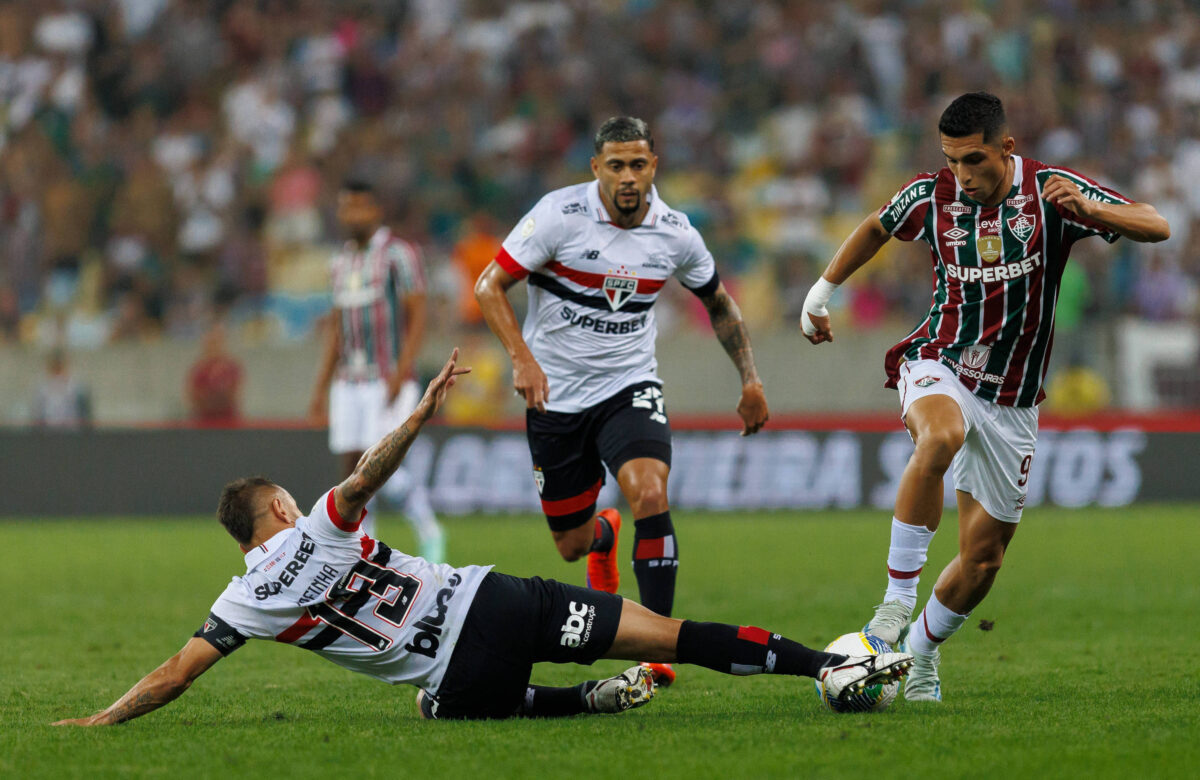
(325, 524)
(220, 634)
(407, 265)
(697, 270)
(904, 215)
(534, 241)
(1076, 227)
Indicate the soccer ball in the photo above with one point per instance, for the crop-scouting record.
(876, 697)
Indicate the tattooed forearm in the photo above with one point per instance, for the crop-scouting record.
(134, 705)
(377, 464)
(727, 323)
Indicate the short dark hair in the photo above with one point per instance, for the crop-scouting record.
(621, 129)
(358, 185)
(974, 112)
(237, 508)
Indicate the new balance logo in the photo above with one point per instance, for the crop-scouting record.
(591, 254)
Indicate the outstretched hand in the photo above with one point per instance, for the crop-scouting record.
(435, 393)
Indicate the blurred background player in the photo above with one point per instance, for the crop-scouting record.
(61, 399)
(466, 637)
(366, 377)
(970, 377)
(596, 256)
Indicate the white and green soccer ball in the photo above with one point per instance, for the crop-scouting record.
(876, 697)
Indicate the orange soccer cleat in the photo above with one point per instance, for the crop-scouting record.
(602, 571)
(664, 675)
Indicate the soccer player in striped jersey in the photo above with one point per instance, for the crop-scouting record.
(366, 380)
(466, 637)
(596, 256)
(1000, 228)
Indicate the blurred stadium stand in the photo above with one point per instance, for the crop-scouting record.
(165, 164)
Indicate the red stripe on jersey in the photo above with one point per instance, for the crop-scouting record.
(514, 269)
(754, 634)
(298, 629)
(648, 549)
(903, 575)
(596, 281)
(565, 506)
(331, 509)
(368, 545)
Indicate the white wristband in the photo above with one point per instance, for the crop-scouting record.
(814, 303)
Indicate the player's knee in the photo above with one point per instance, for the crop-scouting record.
(936, 449)
(650, 499)
(985, 562)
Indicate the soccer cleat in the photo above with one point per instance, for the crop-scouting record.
(427, 706)
(602, 571)
(631, 688)
(923, 683)
(854, 674)
(890, 622)
(664, 674)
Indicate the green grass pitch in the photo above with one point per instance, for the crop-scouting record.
(1091, 668)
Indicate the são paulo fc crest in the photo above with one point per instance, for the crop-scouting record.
(539, 479)
(975, 356)
(618, 289)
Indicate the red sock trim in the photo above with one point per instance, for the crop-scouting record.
(903, 575)
(753, 634)
(928, 633)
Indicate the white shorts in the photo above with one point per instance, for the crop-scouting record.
(358, 416)
(993, 464)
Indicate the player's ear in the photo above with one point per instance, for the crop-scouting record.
(595, 167)
(1009, 145)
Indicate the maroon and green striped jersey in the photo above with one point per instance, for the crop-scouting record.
(996, 274)
(369, 288)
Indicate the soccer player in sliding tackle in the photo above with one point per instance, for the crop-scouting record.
(466, 637)
(999, 227)
(595, 256)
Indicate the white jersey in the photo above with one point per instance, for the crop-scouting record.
(326, 586)
(592, 288)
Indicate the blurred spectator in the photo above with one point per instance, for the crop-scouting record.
(214, 382)
(61, 400)
(168, 140)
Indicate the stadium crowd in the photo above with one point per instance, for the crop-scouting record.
(164, 163)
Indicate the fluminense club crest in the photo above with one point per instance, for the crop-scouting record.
(1021, 225)
(619, 286)
(975, 356)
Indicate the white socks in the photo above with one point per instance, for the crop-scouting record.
(906, 558)
(933, 626)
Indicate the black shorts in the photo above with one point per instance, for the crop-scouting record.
(513, 623)
(570, 449)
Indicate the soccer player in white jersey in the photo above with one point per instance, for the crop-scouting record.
(466, 637)
(595, 256)
(970, 376)
(366, 380)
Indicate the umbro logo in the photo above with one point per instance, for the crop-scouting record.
(954, 233)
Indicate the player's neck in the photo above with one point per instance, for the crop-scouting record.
(1006, 183)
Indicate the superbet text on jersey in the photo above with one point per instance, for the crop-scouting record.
(326, 586)
(996, 277)
(592, 288)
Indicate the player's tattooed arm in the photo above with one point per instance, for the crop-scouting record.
(727, 322)
(382, 460)
(162, 686)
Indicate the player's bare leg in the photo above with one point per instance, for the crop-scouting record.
(744, 650)
(643, 482)
(936, 425)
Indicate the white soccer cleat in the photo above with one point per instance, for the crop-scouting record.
(853, 675)
(890, 622)
(631, 688)
(923, 683)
